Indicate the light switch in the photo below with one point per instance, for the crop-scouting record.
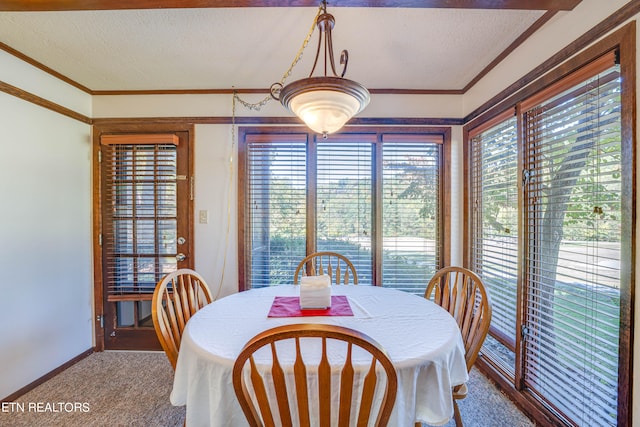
(204, 216)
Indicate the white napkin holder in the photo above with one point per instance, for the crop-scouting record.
(315, 292)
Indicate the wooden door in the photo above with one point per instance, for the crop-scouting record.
(145, 229)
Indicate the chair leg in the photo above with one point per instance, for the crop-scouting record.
(456, 415)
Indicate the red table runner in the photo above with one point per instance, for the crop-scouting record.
(290, 307)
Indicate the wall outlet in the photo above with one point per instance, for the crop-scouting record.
(203, 217)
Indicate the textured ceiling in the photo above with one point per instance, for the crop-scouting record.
(250, 48)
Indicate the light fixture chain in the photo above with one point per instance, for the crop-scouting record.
(229, 194)
(258, 105)
(302, 48)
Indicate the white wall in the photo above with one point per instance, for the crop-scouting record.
(45, 239)
(431, 106)
(28, 78)
(215, 191)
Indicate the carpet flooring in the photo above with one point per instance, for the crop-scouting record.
(132, 389)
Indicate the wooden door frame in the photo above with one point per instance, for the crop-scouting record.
(97, 131)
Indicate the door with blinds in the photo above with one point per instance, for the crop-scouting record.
(145, 228)
(575, 227)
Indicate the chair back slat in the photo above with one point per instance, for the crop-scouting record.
(458, 295)
(280, 386)
(192, 298)
(474, 332)
(302, 391)
(176, 298)
(346, 389)
(437, 295)
(368, 391)
(447, 293)
(338, 267)
(467, 308)
(168, 323)
(324, 387)
(261, 394)
(179, 302)
(257, 403)
(173, 311)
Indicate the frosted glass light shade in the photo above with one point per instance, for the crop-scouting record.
(325, 104)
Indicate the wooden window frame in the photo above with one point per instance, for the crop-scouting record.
(442, 133)
(499, 120)
(622, 41)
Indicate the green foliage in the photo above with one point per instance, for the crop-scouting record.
(593, 212)
(344, 209)
(275, 263)
(414, 181)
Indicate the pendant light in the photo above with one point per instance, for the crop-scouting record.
(324, 103)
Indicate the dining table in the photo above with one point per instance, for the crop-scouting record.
(421, 338)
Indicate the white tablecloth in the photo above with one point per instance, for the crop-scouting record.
(421, 338)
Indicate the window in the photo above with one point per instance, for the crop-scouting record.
(411, 232)
(141, 221)
(548, 226)
(275, 208)
(494, 215)
(373, 196)
(572, 191)
(344, 214)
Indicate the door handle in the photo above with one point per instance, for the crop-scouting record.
(181, 257)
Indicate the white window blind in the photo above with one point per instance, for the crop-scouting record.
(140, 216)
(411, 200)
(573, 226)
(276, 208)
(300, 194)
(494, 229)
(343, 201)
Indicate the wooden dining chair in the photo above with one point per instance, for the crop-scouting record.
(260, 412)
(176, 298)
(336, 266)
(462, 293)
